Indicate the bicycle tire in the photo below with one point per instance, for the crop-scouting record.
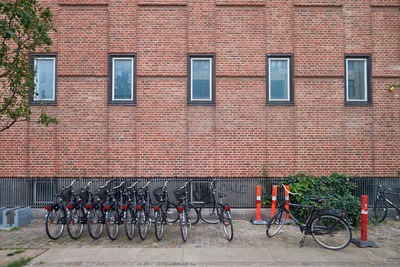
(380, 209)
(193, 215)
(227, 224)
(112, 224)
(208, 213)
(142, 225)
(184, 226)
(275, 224)
(95, 224)
(172, 213)
(331, 231)
(75, 225)
(54, 220)
(129, 223)
(158, 225)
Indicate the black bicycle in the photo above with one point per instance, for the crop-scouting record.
(129, 208)
(56, 216)
(114, 213)
(214, 211)
(181, 195)
(328, 229)
(143, 208)
(96, 214)
(165, 212)
(77, 213)
(381, 203)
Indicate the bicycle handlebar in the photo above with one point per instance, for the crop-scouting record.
(116, 187)
(182, 187)
(130, 187)
(291, 193)
(104, 186)
(147, 184)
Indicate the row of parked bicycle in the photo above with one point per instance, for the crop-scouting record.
(132, 206)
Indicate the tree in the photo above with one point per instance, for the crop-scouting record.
(24, 28)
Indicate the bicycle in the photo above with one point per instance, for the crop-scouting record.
(130, 214)
(96, 215)
(214, 212)
(165, 212)
(380, 204)
(328, 229)
(77, 214)
(143, 210)
(181, 195)
(56, 216)
(114, 213)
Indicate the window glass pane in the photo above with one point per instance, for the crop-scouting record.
(44, 79)
(201, 79)
(356, 79)
(279, 80)
(123, 79)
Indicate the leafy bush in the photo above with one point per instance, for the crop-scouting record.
(335, 189)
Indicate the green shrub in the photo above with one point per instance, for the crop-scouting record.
(335, 189)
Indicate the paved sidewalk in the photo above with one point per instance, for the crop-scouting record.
(206, 246)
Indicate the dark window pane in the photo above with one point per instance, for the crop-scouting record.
(279, 80)
(44, 79)
(356, 80)
(201, 79)
(123, 79)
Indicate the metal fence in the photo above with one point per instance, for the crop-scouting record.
(241, 192)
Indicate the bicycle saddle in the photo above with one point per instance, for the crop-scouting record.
(221, 195)
(317, 200)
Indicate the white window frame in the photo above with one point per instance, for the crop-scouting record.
(35, 96)
(191, 78)
(269, 79)
(113, 78)
(365, 80)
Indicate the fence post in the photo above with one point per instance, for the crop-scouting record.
(363, 241)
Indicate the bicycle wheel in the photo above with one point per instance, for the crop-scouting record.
(129, 223)
(380, 209)
(275, 224)
(172, 213)
(142, 225)
(330, 231)
(95, 224)
(112, 224)
(54, 224)
(193, 215)
(75, 225)
(208, 213)
(158, 224)
(227, 224)
(184, 226)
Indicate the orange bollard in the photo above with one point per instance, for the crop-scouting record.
(273, 203)
(363, 241)
(364, 218)
(258, 220)
(258, 214)
(287, 201)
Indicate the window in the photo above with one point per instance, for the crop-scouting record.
(280, 79)
(201, 79)
(357, 84)
(122, 79)
(45, 66)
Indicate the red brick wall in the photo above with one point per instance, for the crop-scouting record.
(163, 136)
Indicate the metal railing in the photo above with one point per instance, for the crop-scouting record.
(241, 192)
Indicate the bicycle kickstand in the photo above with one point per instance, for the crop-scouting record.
(302, 240)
